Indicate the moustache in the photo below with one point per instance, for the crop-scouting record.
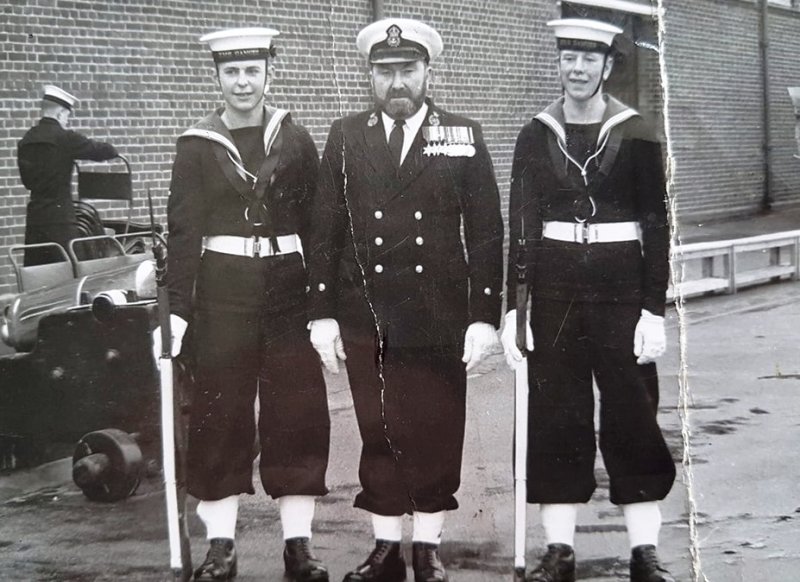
(398, 93)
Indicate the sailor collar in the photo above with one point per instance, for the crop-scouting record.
(616, 112)
(213, 129)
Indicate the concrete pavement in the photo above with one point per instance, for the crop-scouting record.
(732, 514)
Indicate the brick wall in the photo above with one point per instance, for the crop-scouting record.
(715, 112)
(142, 76)
(784, 71)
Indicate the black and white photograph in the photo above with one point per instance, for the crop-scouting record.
(382, 290)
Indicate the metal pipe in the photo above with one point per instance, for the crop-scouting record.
(377, 9)
(766, 199)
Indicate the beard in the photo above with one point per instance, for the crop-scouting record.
(401, 104)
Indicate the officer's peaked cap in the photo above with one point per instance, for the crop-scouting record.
(57, 95)
(240, 44)
(584, 34)
(398, 40)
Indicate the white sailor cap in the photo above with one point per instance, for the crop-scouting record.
(241, 44)
(398, 40)
(57, 95)
(584, 34)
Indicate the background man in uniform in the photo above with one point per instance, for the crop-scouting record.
(588, 186)
(244, 178)
(387, 263)
(45, 157)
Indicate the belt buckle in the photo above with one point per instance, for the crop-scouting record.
(256, 247)
(582, 233)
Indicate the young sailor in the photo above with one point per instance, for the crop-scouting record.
(238, 214)
(588, 196)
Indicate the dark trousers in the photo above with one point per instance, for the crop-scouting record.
(57, 233)
(249, 339)
(410, 405)
(573, 343)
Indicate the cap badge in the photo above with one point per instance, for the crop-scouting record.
(433, 119)
(393, 36)
(373, 120)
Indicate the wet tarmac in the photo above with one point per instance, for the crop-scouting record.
(733, 513)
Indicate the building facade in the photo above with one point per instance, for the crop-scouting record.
(143, 77)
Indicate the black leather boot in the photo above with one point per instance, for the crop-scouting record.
(557, 565)
(301, 564)
(645, 566)
(384, 564)
(220, 562)
(427, 565)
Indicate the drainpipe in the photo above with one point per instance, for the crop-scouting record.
(377, 9)
(766, 199)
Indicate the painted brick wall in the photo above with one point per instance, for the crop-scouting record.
(711, 51)
(784, 71)
(715, 115)
(143, 77)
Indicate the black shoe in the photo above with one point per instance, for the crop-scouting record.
(557, 565)
(301, 564)
(220, 563)
(645, 566)
(427, 565)
(384, 564)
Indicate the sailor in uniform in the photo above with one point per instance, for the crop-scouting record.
(238, 213)
(394, 289)
(588, 196)
(45, 156)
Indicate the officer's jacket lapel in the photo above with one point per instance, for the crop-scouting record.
(416, 161)
(377, 150)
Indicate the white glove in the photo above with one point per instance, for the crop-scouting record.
(479, 340)
(178, 327)
(327, 340)
(508, 337)
(649, 338)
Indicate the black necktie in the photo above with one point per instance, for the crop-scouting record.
(396, 141)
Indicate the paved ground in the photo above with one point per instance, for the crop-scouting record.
(733, 514)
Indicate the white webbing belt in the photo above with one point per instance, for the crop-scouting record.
(589, 233)
(254, 246)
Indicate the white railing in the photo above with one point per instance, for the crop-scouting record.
(727, 265)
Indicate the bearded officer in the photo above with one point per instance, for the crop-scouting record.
(588, 189)
(242, 183)
(394, 289)
(45, 156)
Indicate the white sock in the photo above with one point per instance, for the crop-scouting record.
(643, 521)
(297, 513)
(558, 521)
(428, 527)
(388, 527)
(219, 517)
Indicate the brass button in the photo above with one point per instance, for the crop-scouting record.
(419, 268)
(379, 268)
(378, 241)
(418, 215)
(378, 214)
(321, 287)
(419, 240)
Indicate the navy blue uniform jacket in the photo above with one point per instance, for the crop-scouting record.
(45, 156)
(386, 250)
(627, 184)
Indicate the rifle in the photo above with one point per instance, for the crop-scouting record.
(173, 442)
(521, 414)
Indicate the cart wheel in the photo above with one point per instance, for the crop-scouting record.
(107, 465)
